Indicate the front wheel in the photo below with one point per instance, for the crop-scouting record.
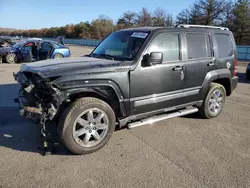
(86, 125)
(214, 101)
(11, 58)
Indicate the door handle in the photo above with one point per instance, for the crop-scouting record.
(178, 68)
(210, 64)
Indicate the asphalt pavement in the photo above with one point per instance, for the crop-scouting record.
(180, 152)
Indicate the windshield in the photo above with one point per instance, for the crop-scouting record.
(120, 45)
(18, 44)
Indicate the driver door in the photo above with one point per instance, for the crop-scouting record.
(25, 52)
(158, 86)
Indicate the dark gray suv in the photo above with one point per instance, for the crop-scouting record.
(133, 77)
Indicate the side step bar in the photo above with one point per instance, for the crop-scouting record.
(157, 118)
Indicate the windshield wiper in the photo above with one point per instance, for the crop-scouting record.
(107, 56)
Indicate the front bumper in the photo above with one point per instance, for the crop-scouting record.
(27, 111)
(235, 81)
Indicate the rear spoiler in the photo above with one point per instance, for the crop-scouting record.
(60, 39)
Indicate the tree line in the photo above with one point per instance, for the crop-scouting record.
(227, 13)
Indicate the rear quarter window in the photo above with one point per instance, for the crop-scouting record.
(224, 45)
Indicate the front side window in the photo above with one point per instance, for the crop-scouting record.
(120, 45)
(169, 45)
(28, 46)
(198, 45)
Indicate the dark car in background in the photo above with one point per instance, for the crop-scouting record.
(5, 42)
(33, 50)
(248, 72)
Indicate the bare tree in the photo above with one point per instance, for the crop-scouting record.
(183, 17)
(128, 19)
(144, 18)
(102, 26)
(162, 18)
(205, 12)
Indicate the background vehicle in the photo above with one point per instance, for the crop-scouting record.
(34, 50)
(5, 41)
(133, 77)
(248, 72)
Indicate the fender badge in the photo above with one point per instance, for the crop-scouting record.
(228, 65)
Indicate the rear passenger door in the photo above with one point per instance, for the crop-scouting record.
(45, 50)
(199, 60)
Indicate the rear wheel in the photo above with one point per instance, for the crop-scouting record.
(1, 60)
(248, 75)
(57, 56)
(11, 58)
(214, 101)
(86, 125)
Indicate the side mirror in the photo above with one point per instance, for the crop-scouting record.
(153, 58)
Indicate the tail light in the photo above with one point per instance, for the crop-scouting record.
(235, 67)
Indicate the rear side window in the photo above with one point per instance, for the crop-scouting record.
(46, 45)
(225, 45)
(169, 45)
(198, 45)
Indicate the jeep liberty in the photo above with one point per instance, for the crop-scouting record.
(134, 77)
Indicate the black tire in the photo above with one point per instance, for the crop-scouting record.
(248, 75)
(57, 56)
(1, 60)
(70, 115)
(11, 58)
(204, 109)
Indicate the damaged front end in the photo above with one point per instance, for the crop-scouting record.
(37, 98)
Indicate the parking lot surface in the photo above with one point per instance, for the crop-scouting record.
(181, 152)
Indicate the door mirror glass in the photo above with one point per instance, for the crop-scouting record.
(153, 58)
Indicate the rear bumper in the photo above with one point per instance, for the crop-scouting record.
(235, 81)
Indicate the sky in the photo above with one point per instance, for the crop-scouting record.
(37, 14)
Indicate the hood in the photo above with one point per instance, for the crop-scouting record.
(73, 65)
(7, 49)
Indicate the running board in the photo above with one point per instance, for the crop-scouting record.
(157, 118)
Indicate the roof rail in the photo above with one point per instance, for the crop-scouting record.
(201, 26)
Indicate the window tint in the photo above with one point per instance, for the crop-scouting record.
(28, 46)
(198, 45)
(46, 45)
(168, 44)
(225, 45)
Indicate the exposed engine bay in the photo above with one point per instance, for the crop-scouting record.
(38, 100)
(36, 97)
